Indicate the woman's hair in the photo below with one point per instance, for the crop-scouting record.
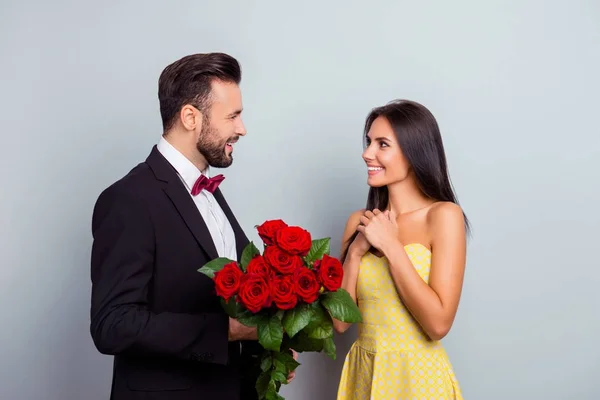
(420, 140)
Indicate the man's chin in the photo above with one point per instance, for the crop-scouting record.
(223, 163)
(228, 159)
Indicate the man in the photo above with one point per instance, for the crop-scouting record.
(154, 228)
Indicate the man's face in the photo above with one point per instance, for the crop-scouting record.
(222, 125)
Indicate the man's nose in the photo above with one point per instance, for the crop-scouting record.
(241, 129)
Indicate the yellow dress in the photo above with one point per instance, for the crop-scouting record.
(393, 359)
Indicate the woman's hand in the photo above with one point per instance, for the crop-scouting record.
(379, 229)
(359, 246)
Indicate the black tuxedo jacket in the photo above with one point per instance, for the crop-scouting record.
(150, 306)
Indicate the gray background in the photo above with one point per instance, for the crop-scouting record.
(512, 84)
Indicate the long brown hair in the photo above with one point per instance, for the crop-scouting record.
(419, 137)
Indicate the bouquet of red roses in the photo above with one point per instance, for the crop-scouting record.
(290, 292)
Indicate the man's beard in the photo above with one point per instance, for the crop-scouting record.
(214, 151)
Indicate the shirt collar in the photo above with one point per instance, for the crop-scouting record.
(185, 168)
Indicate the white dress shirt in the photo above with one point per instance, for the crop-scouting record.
(218, 225)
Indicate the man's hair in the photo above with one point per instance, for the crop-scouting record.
(188, 81)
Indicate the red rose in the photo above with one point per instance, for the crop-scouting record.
(227, 280)
(281, 261)
(330, 272)
(268, 230)
(258, 265)
(294, 240)
(254, 292)
(307, 286)
(282, 292)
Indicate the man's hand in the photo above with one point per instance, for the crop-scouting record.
(292, 374)
(237, 331)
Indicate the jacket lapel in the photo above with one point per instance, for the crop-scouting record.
(182, 201)
(189, 212)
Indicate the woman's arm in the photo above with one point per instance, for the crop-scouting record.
(434, 306)
(351, 263)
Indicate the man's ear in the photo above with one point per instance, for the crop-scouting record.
(190, 117)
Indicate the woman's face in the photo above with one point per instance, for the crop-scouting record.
(385, 162)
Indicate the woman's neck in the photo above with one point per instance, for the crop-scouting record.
(406, 196)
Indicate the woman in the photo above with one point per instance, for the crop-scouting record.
(404, 260)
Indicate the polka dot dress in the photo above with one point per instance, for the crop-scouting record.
(393, 359)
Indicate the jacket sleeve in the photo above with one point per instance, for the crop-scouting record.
(122, 264)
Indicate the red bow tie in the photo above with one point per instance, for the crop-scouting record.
(209, 184)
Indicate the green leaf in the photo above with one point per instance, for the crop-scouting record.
(231, 307)
(279, 376)
(273, 395)
(270, 333)
(279, 366)
(329, 347)
(319, 248)
(321, 325)
(318, 314)
(309, 345)
(249, 252)
(341, 306)
(213, 266)
(247, 318)
(323, 330)
(287, 360)
(262, 384)
(267, 362)
(297, 319)
(271, 390)
(302, 343)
